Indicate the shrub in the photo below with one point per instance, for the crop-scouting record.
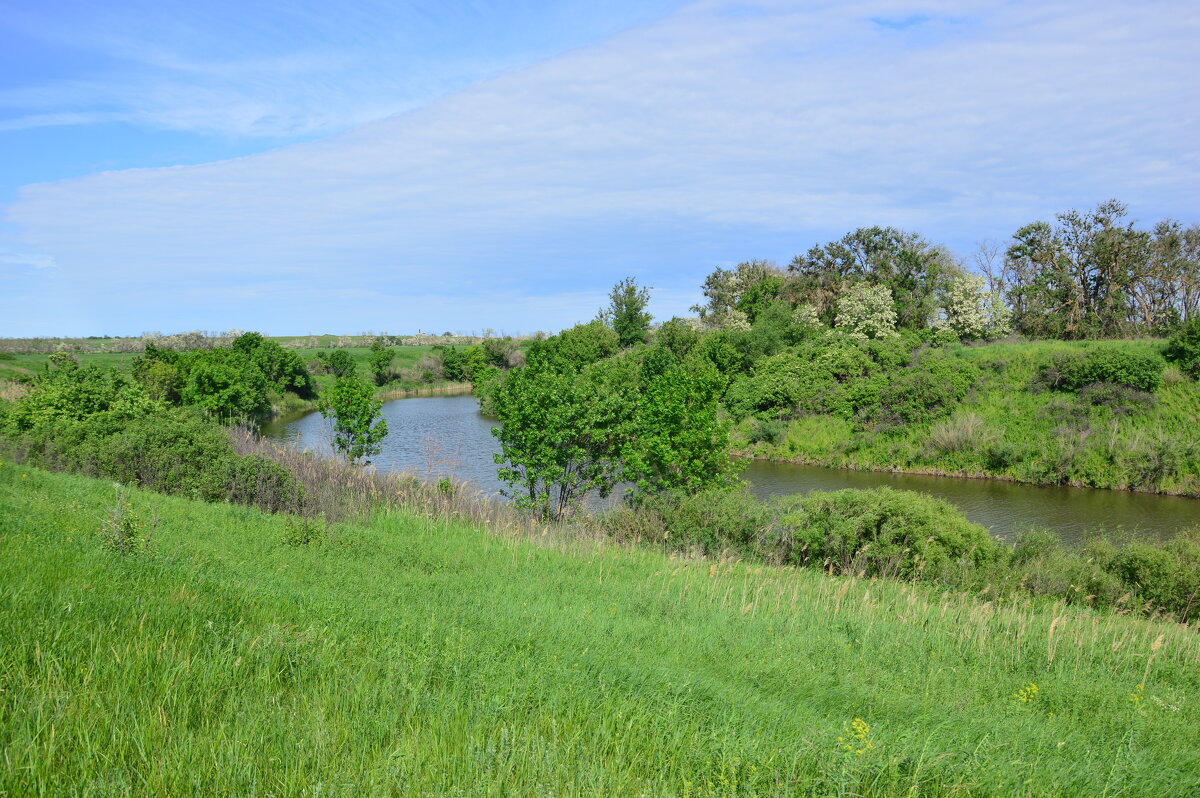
(929, 389)
(1166, 576)
(1122, 367)
(175, 450)
(121, 531)
(778, 383)
(1183, 348)
(1041, 565)
(880, 532)
(712, 521)
(767, 431)
(1121, 399)
(338, 362)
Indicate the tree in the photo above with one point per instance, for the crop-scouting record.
(560, 433)
(972, 312)
(735, 297)
(911, 268)
(866, 311)
(339, 362)
(1093, 275)
(626, 312)
(679, 440)
(1183, 348)
(358, 429)
(379, 360)
(574, 348)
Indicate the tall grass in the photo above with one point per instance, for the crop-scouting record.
(416, 656)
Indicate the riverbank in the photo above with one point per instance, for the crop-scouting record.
(434, 389)
(424, 655)
(291, 406)
(1011, 425)
(933, 471)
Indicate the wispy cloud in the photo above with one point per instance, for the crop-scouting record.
(30, 259)
(702, 138)
(279, 70)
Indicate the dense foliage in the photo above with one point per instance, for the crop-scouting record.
(100, 423)
(577, 420)
(912, 536)
(232, 384)
(1072, 372)
(1184, 348)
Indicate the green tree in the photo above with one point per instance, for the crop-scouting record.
(226, 385)
(911, 268)
(736, 296)
(626, 312)
(679, 440)
(574, 348)
(1184, 348)
(561, 433)
(461, 365)
(358, 429)
(68, 392)
(379, 360)
(339, 362)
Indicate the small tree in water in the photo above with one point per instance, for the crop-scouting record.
(358, 429)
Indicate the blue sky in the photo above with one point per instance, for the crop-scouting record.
(307, 167)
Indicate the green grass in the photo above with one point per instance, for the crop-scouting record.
(1013, 432)
(416, 656)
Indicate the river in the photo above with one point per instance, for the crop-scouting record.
(447, 436)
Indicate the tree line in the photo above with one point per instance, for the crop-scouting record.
(1089, 274)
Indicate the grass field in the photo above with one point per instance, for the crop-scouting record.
(419, 656)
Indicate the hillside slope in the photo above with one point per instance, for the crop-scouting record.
(415, 656)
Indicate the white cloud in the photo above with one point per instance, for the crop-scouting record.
(687, 140)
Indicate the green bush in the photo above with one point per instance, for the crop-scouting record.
(881, 532)
(176, 451)
(712, 521)
(1041, 565)
(1071, 372)
(337, 362)
(1165, 576)
(1183, 348)
(929, 389)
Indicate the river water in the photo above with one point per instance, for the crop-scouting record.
(447, 436)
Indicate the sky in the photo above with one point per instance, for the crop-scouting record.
(302, 167)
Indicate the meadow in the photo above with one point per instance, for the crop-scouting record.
(413, 654)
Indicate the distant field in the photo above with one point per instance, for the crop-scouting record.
(414, 656)
(18, 366)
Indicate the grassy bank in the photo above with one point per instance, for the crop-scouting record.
(1009, 426)
(413, 655)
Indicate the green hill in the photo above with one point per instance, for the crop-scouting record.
(417, 656)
